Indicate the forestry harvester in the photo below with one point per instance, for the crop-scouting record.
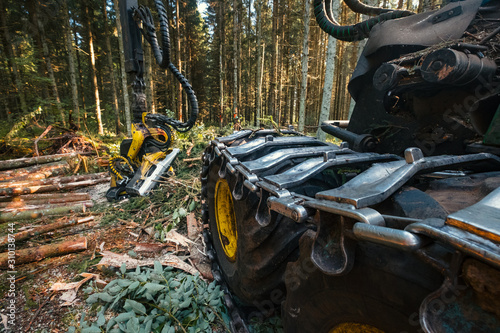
(397, 229)
(147, 157)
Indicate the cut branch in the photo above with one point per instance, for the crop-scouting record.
(38, 253)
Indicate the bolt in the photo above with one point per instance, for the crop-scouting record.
(437, 65)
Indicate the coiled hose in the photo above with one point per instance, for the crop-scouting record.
(143, 15)
(327, 22)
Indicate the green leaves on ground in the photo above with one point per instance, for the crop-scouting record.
(156, 300)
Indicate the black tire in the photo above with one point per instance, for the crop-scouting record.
(382, 292)
(256, 273)
(262, 252)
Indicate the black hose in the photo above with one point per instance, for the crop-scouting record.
(359, 7)
(162, 56)
(326, 20)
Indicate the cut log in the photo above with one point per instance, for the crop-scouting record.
(24, 162)
(88, 203)
(20, 236)
(48, 196)
(20, 201)
(51, 188)
(38, 253)
(36, 213)
(54, 180)
(35, 172)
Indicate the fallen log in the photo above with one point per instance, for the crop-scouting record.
(35, 172)
(79, 196)
(37, 213)
(21, 201)
(9, 191)
(87, 203)
(54, 180)
(38, 253)
(20, 236)
(24, 162)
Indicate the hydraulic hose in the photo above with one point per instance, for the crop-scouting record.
(162, 56)
(359, 31)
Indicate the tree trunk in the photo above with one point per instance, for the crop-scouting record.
(23, 235)
(327, 88)
(260, 58)
(47, 210)
(71, 61)
(148, 78)
(304, 62)
(11, 58)
(178, 56)
(93, 71)
(24, 162)
(9, 191)
(47, 198)
(46, 251)
(126, 99)
(235, 59)
(51, 181)
(35, 172)
(274, 62)
(221, 60)
(111, 69)
(50, 70)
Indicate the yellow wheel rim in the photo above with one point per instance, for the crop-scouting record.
(226, 221)
(354, 328)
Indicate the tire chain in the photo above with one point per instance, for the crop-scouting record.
(237, 324)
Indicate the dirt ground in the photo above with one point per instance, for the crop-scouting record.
(36, 307)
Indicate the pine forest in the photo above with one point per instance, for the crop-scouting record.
(60, 60)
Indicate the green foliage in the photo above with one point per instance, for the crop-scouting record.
(156, 300)
(23, 122)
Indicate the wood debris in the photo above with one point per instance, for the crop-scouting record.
(116, 260)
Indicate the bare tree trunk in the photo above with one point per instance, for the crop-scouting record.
(50, 70)
(235, 59)
(126, 99)
(148, 77)
(71, 61)
(221, 59)
(274, 61)
(260, 58)
(327, 88)
(178, 53)
(305, 57)
(11, 59)
(111, 70)
(94, 72)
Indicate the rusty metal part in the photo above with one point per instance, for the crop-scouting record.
(448, 66)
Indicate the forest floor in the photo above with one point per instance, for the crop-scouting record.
(167, 221)
(125, 227)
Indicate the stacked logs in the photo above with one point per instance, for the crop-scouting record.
(34, 187)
